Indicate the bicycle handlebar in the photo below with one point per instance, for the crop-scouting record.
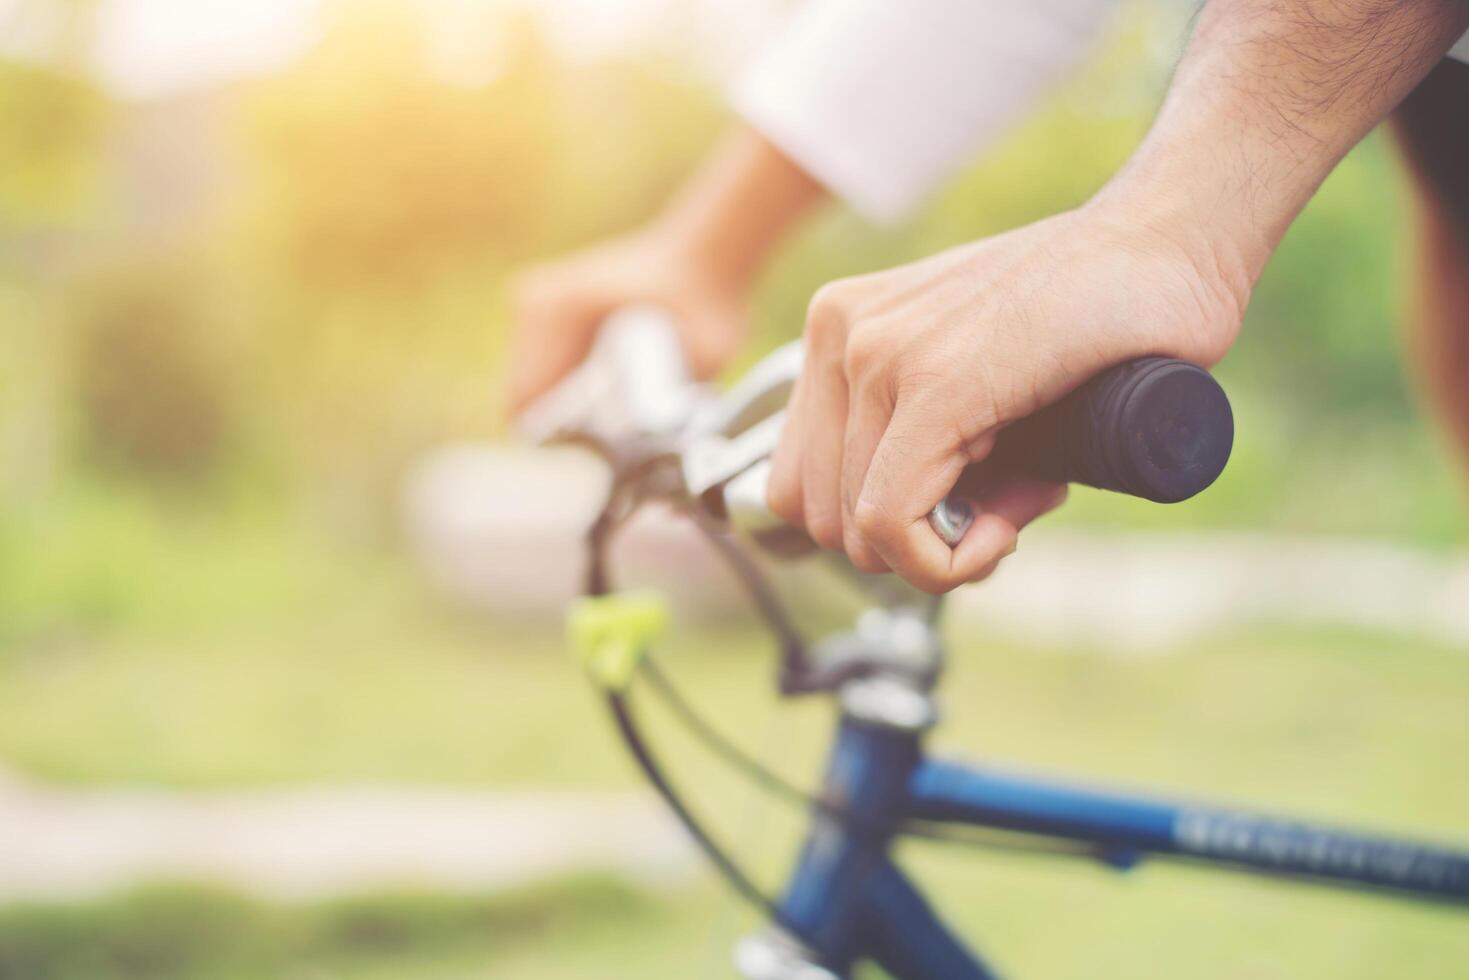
(1156, 428)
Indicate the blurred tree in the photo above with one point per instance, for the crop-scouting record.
(152, 388)
(374, 205)
(382, 199)
(50, 157)
(374, 171)
(54, 121)
(52, 114)
(628, 132)
(388, 200)
(1322, 326)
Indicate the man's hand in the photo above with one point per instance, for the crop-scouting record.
(697, 261)
(560, 306)
(911, 373)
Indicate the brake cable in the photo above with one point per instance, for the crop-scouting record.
(766, 778)
(599, 585)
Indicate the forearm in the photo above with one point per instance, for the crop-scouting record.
(1269, 97)
(734, 211)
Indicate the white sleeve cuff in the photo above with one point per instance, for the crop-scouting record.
(879, 100)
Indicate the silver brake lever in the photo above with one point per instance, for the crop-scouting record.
(633, 385)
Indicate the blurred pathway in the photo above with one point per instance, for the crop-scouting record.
(1154, 593)
(294, 844)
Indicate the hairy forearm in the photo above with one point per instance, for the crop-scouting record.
(1269, 97)
(739, 204)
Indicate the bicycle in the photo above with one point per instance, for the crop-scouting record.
(1153, 428)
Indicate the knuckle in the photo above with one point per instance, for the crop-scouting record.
(826, 317)
(825, 528)
(871, 520)
(783, 496)
(864, 352)
(861, 554)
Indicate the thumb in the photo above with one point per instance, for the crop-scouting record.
(712, 338)
(544, 351)
(914, 466)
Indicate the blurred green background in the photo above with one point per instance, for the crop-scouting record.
(232, 315)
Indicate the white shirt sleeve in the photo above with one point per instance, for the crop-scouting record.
(880, 100)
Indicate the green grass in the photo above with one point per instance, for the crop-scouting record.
(1347, 727)
(571, 929)
(384, 683)
(296, 663)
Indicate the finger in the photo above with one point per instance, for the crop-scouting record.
(1003, 512)
(914, 466)
(783, 493)
(987, 570)
(710, 340)
(1020, 501)
(867, 419)
(548, 344)
(823, 436)
(990, 539)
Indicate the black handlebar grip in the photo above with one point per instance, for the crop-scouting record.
(1156, 428)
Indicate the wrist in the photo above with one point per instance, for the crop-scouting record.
(1226, 229)
(1176, 247)
(1185, 199)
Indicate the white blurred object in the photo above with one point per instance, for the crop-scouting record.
(881, 100)
(633, 385)
(150, 48)
(307, 843)
(503, 530)
(1149, 593)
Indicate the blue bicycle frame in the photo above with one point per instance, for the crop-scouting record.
(848, 901)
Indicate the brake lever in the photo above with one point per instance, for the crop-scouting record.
(633, 388)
